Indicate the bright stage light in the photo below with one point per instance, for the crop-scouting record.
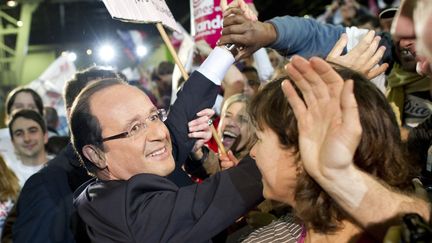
(11, 3)
(141, 51)
(72, 56)
(106, 53)
(89, 52)
(19, 23)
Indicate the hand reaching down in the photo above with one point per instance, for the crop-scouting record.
(248, 34)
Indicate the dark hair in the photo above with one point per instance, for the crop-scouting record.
(366, 18)
(10, 100)
(27, 114)
(74, 86)
(252, 76)
(85, 128)
(380, 152)
(165, 68)
(51, 117)
(56, 144)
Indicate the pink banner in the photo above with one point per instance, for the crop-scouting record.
(208, 20)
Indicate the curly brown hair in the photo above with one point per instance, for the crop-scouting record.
(380, 153)
(9, 186)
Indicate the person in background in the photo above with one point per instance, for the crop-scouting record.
(343, 12)
(18, 98)
(9, 190)
(368, 22)
(55, 142)
(237, 136)
(386, 18)
(411, 21)
(23, 98)
(163, 76)
(52, 120)
(233, 82)
(275, 58)
(253, 82)
(29, 135)
(234, 128)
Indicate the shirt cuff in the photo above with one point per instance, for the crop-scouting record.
(216, 65)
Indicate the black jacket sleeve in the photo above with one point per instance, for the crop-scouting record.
(149, 208)
(197, 94)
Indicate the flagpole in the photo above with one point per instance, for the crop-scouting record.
(185, 76)
(167, 41)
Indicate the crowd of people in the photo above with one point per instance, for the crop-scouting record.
(322, 135)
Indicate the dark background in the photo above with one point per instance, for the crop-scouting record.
(77, 21)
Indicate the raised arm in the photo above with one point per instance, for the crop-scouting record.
(194, 213)
(330, 131)
(198, 93)
(289, 35)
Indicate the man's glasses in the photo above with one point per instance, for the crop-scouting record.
(137, 128)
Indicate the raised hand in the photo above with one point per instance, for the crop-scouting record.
(200, 129)
(363, 58)
(247, 11)
(328, 120)
(250, 35)
(227, 161)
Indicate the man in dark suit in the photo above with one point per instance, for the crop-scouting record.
(121, 139)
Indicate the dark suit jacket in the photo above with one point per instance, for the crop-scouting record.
(45, 208)
(150, 208)
(197, 94)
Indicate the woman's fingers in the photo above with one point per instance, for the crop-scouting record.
(318, 87)
(350, 113)
(376, 71)
(294, 99)
(329, 76)
(338, 47)
(301, 84)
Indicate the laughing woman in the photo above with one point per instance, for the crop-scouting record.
(237, 134)
(316, 217)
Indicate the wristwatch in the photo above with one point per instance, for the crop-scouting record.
(232, 48)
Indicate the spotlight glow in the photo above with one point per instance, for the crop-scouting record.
(106, 53)
(19, 23)
(141, 51)
(11, 3)
(72, 56)
(89, 52)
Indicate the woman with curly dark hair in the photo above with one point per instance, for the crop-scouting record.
(9, 190)
(316, 216)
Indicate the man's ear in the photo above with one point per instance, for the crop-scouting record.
(95, 155)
